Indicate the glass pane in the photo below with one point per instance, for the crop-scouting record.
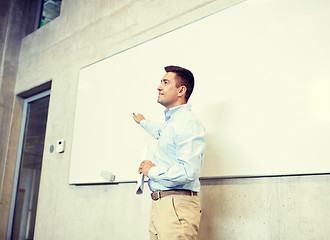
(30, 169)
(51, 9)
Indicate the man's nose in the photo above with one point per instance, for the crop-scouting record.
(160, 87)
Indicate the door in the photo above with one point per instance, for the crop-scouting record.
(24, 200)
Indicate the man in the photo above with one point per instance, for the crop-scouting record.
(174, 172)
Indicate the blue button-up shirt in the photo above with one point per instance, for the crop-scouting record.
(180, 153)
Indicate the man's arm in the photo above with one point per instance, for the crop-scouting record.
(153, 128)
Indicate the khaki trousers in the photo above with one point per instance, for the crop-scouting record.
(175, 217)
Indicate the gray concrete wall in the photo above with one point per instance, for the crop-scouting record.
(87, 31)
(15, 23)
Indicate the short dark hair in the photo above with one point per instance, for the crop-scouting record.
(185, 78)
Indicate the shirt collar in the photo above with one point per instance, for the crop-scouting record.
(172, 111)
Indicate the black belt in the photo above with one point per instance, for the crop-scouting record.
(160, 194)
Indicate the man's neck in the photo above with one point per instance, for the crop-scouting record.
(176, 104)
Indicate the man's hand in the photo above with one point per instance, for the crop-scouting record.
(145, 167)
(138, 118)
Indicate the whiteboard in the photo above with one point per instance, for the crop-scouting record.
(262, 72)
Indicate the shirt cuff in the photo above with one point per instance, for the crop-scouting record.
(143, 123)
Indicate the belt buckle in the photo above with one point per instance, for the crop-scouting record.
(155, 195)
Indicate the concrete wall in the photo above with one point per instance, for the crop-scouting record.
(15, 23)
(87, 31)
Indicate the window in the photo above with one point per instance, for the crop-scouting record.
(50, 10)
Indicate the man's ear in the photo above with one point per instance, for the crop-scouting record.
(182, 91)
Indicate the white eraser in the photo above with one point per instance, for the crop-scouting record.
(109, 176)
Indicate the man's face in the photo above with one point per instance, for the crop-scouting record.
(168, 92)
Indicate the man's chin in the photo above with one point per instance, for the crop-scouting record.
(160, 101)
